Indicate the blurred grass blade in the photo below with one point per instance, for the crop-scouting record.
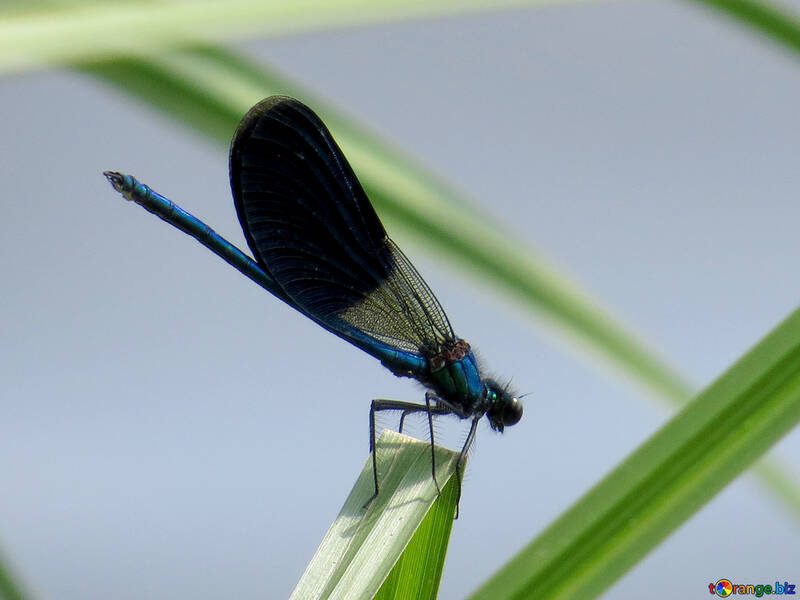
(80, 31)
(67, 34)
(396, 547)
(771, 20)
(709, 443)
(209, 89)
(9, 588)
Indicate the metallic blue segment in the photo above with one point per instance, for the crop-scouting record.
(460, 384)
(403, 364)
(135, 191)
(474, 382)
(399, 362)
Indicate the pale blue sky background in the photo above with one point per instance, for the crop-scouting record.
(169, 430)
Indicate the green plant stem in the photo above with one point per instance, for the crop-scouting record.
(680, 468)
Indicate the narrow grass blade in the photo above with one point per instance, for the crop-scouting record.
(9, 589)
(397, 545)
(709, 443)
(64, 35)
(406, 196)
(209, 89)
(771, 20)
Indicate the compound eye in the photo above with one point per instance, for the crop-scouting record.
(512, 412)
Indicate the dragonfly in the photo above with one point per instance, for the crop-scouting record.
(318, 245)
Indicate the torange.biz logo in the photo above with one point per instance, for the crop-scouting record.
(725, 587)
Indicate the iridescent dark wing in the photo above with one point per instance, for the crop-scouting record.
(310, 225)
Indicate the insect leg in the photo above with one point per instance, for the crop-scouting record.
(428, 396)
(463, 456)
(407, 408)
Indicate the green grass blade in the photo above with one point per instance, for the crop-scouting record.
(680, 468)
(417, 574)
(407, 197)
(209, 89)
(396, 547)
(770, 20)
(9, 588)
(775, 476)
(64, 35)
(91, 30)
